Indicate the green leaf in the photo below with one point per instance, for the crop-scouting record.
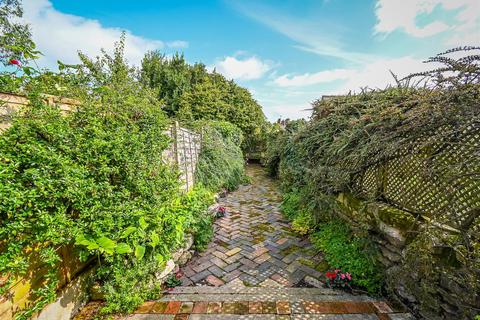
(128, 231)
(83, 241)
(159, 258)
(155, 239)
(107, 245)
(123, 248)
(143, 223)
(139, 251)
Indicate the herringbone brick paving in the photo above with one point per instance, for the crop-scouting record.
(254, 269)
(254, 242)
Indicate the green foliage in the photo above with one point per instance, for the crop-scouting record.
(94, 178)
(350, 254)
(304, 222)
(295, 209)
(347, 135)
(190, 93)
(200, 224)
(172, 281)
(15, 45)
(221, 163)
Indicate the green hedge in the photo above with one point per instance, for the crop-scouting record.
(221, 163)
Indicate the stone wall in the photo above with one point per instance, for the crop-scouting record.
(442, 296)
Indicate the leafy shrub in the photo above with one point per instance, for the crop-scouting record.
(291, 204)
(303, 221)
(221, 163)
(350, 254)
(200, 224)
(94, 178)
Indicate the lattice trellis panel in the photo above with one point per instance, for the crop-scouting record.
(439, 179)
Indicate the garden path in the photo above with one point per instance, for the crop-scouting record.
(256, 268)
(254, 243)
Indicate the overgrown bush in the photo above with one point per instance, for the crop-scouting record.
(95, 179)
(221, 162)
(350, 254)
(426, 129)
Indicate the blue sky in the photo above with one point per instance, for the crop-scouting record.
(287, 53)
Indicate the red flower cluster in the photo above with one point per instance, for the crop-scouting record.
(14, 62)
(337, 274)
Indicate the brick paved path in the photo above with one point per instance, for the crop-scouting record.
(254, 242)
(254, 269)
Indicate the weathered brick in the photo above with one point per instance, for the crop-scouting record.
(200, 307)
(233, 251)
(186, 307)
(214, 281)
(283, 307)
(173, 307)
(214, 307)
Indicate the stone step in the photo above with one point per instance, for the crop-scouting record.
(195, 310)
(256, 290)
(232, 294)
(353, 316)
(262, 297)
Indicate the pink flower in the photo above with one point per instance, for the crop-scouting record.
(342, 276)
(15, 62)
(349, 277)
(337, 270)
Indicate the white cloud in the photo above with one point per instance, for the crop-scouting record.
(59, 36)
(373, 75)
(242, 69)
(377, 74)
(393, 15)
(314, 78)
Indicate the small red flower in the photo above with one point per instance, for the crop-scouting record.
(179, 275)
(331, 275)
(15, 62)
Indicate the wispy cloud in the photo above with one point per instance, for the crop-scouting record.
(59, 36)
(372, 75)
(309, 79)
(311, 36)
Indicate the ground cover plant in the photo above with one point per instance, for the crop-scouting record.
(350, 254)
